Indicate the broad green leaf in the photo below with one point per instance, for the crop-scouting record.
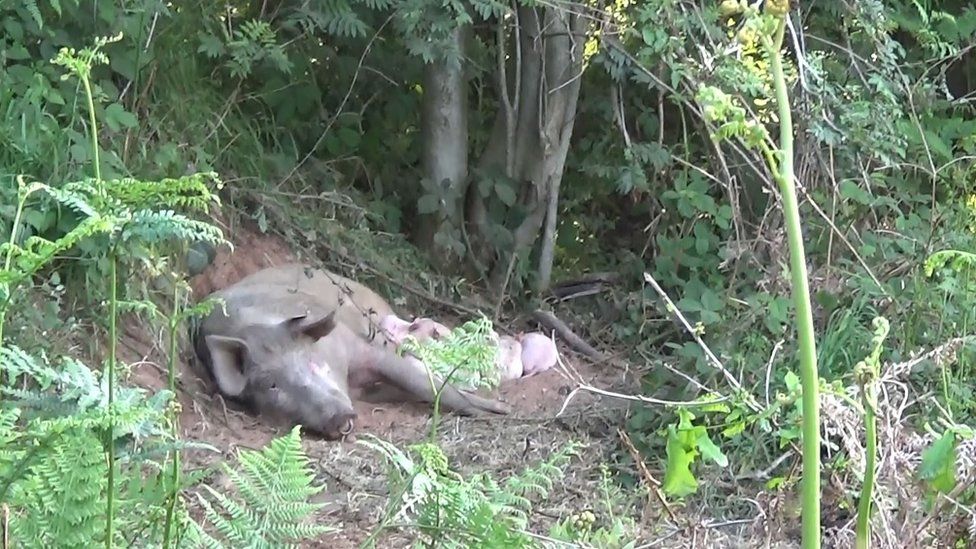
(938, 464)
(505, 193)
(852, 191)
(117, 117)
(678, 479)
(709, 450)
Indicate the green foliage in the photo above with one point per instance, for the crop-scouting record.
(52, 469)
(65, 491)
(52, 466)
(602, 526)
(274, 486)
(466, 356)
(686, 442)
(451, 511)
(247, 91)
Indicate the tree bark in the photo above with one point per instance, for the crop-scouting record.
(445, 151)
(530, 140)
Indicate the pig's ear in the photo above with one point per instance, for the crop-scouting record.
(227, 356)
(319, 328)
(294, 323)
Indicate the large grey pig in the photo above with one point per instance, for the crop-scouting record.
(292, 342)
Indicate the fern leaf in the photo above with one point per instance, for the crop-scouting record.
(274, 485)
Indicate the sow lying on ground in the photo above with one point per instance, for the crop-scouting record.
(294, 343)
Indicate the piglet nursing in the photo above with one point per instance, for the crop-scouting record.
(421, 329)
(509, 358)
(518, 356)
(538, 353)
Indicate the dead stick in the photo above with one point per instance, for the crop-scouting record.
(652, 483)
(549, 320)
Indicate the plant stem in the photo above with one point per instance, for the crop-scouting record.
(113, 310)
(174, 321)
(21, 200)
(94, 130)
(809, 377)
(863, 530)
(868, 372)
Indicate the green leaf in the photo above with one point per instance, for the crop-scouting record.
(734, 429)
(792, 381)
(117, 117)
(505, 193)
(211, 46)
(938, 464)
(709, 450)
(852, 191)
(678, 479)
(349, 137)
(428, 204)
(17, 52)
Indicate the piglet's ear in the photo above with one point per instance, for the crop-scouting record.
(227, 357)
(315, 329)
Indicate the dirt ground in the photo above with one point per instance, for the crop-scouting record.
(548, 413)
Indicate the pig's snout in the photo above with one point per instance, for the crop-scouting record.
(342, 424)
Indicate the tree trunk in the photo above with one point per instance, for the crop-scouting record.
(445, 154)
(531, 136)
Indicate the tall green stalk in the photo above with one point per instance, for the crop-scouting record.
(81, 66)
(809, 377)
(868, 371)
(174, 321)
(112, 329)
(10, 255)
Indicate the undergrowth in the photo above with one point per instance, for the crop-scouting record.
(276, 102)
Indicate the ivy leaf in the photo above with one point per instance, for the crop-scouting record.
(505, 193)
(428, 204)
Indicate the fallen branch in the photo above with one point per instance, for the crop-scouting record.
(589, 284)
(550, 321)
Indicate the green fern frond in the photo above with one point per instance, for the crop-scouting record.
(152, 227)
(475, 512)
(61, 504)
(31, 7)
(378, 5)
(467, 354)
(274, 485)
(191, 192)
(38, 252)
(334, 17)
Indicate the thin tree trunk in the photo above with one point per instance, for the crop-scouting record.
(559, 131)
(445, 150)
(550, 44)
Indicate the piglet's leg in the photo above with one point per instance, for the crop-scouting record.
(396, 328)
